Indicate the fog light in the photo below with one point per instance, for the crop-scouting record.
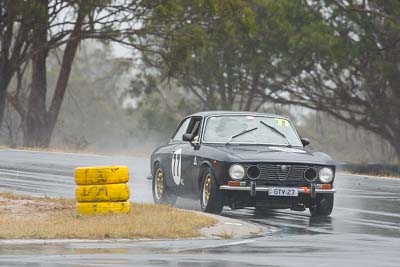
(310, 175)
(253, 172)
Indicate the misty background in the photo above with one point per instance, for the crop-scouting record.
(127, 90)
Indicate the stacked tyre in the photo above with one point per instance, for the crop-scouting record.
(102, 190)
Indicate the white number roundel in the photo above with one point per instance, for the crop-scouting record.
(177, 166)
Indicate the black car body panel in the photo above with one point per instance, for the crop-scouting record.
(183, 162)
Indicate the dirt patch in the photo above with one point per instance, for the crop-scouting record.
(20, 206)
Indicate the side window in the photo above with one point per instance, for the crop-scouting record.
(182, 130)
(194, 127)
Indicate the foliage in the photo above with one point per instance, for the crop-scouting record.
(158, 111)
(340, 57)
(355, 75)
(239, 53)
(337, 56)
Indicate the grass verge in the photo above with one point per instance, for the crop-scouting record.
(25, 217)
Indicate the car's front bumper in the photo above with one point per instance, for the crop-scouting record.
(302, 190)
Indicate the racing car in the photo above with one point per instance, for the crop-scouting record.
(242, 159)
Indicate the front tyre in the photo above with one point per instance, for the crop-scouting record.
(322, 206)
(161, 194)
(211, 199)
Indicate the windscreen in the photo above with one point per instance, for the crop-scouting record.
(250, 129)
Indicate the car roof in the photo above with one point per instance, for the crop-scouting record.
(231, 112)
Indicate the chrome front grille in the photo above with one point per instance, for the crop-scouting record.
(274, 172)
(282, 172)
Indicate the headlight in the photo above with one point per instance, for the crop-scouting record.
(236, 172)
(326, 175)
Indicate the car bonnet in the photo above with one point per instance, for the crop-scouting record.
(265, 153)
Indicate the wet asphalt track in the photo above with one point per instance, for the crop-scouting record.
(364, 229)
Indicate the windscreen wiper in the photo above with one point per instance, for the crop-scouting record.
(277, 132)
(239, 134)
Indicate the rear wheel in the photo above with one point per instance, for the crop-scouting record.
(322, 206)
(161, 194)
(211, 199)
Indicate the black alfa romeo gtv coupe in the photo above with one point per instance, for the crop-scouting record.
(242, 159)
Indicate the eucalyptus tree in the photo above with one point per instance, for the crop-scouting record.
(354, 73)
(340, 57)
(30, 30)
(15, 42)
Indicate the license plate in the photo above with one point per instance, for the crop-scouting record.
(283, 191)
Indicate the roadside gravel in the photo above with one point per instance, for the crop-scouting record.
(227, 228)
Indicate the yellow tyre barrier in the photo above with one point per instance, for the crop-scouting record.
(102, 193)
(101, 175)
(94, 208)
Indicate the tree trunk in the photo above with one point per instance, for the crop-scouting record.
(40, 123)
(36, 124)
(65, 71)
(4, 82)
(250, 96)
(14, 44)
(5, 72)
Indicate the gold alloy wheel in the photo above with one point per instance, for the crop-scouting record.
(159, 183)
(206, 189)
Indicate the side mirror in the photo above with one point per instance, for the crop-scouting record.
(305, 141)
(187, 137)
